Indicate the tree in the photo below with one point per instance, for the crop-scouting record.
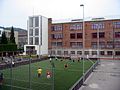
(4, 38)
(12, 38)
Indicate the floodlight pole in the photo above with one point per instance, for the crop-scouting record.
(98, 43)
(82, 5)
(30, 72)
(11, 71)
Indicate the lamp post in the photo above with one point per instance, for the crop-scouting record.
(98, 42)
(83, 32)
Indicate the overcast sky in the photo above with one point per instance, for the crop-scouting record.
(16, 12)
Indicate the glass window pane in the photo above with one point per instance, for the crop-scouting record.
(36, 21)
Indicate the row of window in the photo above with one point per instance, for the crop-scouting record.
(79, 35)
(79, 26)
(94, 45)
(86, 53)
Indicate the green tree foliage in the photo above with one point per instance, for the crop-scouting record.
(12, 38)
(4, 38)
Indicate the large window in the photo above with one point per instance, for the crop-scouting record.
(94, 44)
(94, 35)
(57, 36)
(79, 35)
(94, 52)
(31, 21)
(36, 40)
(76, 44)
(31, 40)
(102, 52)
(109, 52)
(56, 28)
(117, 44)
(59, 44)
(36, 32)
(110, 44)
(116, 25)
(117, 53)
(72, 36)
(65, 52)
(117, 34)
(86, 52)
(72, 52)
(31, 32)
(98, 26)
(101, 44)
(36, 21)
(79, 52)
(101, 35)
(76, 26)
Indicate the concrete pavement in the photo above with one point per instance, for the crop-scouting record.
(105, 77)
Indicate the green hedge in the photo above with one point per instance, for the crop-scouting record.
(8, 47)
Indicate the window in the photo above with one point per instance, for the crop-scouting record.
(116, 25)
(36, 21)
(56, 36)
(72, 36)
(102, 53)
(59, 44)
(53, 52)
(101, 35)
(59, 52)
(31, 21)
(79, 44)
(79, 35)
(109, 44)
(86, 52)
(79, 52)
(117, 34)
(94, 52)
(54, 43)
(98, 26)
(36, 40)
(117, 53)
(65, 52)
(94, 44)
(109, 53)
(117, 44)
(56, 28)
(31, 41)
(36, 32)
(76, 44)
(31, 32)
(72, 52)
(76, 26)
(94, 35)
(101, 44)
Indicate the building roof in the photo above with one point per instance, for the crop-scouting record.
(87, 19)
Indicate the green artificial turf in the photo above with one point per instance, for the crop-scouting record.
(63, 78)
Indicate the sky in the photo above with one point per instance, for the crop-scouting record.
(15, 12)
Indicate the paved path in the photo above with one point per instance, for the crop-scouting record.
(105, 77)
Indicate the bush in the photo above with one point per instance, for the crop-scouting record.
(8, 47)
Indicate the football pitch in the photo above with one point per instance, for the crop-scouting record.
(21, 78)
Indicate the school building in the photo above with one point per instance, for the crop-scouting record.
(102, 38)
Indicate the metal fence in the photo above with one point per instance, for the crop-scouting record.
(79, 83)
